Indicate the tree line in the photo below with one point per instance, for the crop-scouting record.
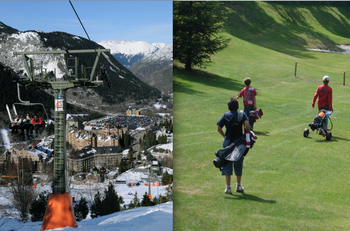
(103, 204)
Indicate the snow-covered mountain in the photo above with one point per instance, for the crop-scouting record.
(29, 41)
(156, 69)
(129, 53)
(126, 87)
(152, 63)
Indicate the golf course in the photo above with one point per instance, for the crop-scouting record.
(291, 182)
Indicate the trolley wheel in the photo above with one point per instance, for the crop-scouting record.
(329, 136)
(306, 132)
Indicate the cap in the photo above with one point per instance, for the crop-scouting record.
(326, 78)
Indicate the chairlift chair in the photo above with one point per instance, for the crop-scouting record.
(13, 113)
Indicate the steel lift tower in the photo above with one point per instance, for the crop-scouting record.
(59, 211)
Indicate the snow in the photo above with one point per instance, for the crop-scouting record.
(76, 37)
(30, 41)
(145, 52)
(131, 48)
(140, 219)
(112, 69)
(164, 114)
(165, 53)
(5, 139)
(158, 106)
(166, 146)
(23, 37)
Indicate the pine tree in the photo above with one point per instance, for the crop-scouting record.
(111, 201)
(126, 141)
(81, 209)
(166, 178)
(96, 206)
(196, 31)
(38, 206)
(149, 156)
(131, 154)
(155, 200)
(164, 139)
(131, 205)
(135, 202)
(139, 156)
(123, 166)
(146, 201)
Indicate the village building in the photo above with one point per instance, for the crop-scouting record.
(90, 156)
(96, 138)
(132, 111)
(14, 155)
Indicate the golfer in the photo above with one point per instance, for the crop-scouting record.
(249, 101)
(233, 132)
(324, 95)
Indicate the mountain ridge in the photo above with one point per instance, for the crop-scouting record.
(151, 63)
(126, 87)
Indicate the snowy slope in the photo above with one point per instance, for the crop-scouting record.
(140, 219)
(156, 69)
(29, 41)
(158, 217)
(164, 53)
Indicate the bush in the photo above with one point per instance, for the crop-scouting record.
(135, 202)
(146, 201)
(96, 206)
(81, 209)
(166, 178)
(38, 206)
(111, 202)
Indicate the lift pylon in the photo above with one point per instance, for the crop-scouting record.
(59, 211)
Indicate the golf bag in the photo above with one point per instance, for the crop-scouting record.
(255, 115)
(317, 121)
(235, 150)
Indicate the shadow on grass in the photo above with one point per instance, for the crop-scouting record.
(264, 133)
(287, 37)
(333, 139)
(336, 138)
(245, 196)
(202, 77)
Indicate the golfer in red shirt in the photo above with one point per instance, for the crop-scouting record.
(324, 95)
(249, 100)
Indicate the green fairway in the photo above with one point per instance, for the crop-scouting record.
(291, 182)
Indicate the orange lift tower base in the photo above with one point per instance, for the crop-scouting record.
(59, 212)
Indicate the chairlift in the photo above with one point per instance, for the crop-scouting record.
(12, 114)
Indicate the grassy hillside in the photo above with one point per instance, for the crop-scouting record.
(291, 182)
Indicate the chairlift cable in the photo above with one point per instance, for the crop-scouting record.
(106, 78)
(80, 22)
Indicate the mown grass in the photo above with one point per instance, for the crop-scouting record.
(291, 182)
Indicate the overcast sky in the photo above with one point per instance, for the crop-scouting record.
(149, 21)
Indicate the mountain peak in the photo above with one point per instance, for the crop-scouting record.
(3, 26)
(131, 48)
(129, 53)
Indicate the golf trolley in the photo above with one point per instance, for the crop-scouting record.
(320, 123)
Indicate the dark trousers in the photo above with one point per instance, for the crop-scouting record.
(247, 109)
(15, 129)
(36, 128)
